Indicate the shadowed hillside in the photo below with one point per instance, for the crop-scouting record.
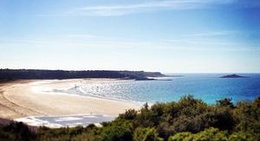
(10, 74)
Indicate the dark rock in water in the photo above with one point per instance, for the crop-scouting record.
(233, 76)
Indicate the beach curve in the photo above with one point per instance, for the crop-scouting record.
(27, 98)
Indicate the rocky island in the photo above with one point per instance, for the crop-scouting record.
(232, 76)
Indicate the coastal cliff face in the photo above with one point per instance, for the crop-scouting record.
(10, 74)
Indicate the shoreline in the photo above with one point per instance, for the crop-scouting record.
(19, 99)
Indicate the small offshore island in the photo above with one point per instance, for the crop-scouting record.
(233, 76)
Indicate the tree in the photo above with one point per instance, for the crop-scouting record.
(128, 115)
(226, 102)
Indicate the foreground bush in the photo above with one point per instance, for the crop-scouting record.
(213, 134)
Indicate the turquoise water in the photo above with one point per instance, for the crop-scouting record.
(208, 87)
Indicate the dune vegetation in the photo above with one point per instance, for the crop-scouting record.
(189, 119)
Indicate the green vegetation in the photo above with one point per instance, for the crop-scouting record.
(188, 119)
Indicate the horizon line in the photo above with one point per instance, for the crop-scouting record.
(130, 70)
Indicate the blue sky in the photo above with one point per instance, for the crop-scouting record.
(153, 35)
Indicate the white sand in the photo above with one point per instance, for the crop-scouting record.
(27, 98)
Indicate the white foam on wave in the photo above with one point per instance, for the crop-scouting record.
(34, 121)
(68, 119)
(65, 121)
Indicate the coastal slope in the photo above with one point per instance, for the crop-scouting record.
(18, 74)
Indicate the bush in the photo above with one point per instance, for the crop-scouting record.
(119, 130)
(243, 136)
(182, 136)
(146, 134)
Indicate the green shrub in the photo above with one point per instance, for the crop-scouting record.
(182, 136)
(146, 134)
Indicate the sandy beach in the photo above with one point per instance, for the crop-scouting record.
(25, 98)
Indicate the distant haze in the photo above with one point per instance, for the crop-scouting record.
(157, 35)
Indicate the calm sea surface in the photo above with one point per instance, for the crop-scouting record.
(208, 87)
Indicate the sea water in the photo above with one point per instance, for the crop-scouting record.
(207, 87)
